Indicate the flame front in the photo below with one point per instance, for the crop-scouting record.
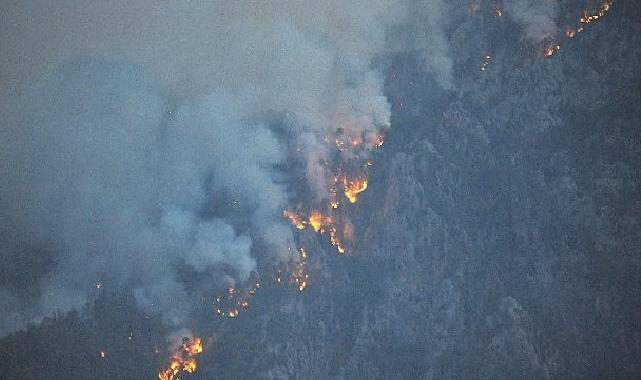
(586, 17)
(183, 360)
(354, 187)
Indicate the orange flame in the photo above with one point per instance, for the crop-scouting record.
(354, 187)
(299, 274)
(235, 301)
(586, 17)
(182, 360)
(553, 48)
(355, 141)
(333, 238)
(317, 220)
(295, 219)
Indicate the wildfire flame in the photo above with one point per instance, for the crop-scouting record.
(333, 238)
(319, 221)
(230, 304)
(183, 360)
(586, 17)
(299, 275)
(295, 219)
(296, 270)
(551, 49)
(331, 221)
(354, 187)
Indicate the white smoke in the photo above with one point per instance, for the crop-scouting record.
(424, 33)
(536, 17)
(115, 181)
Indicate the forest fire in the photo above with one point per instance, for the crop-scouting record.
(295, 219)
(333, 238)
(296, 270)
(327, 220)
(330, 220)
(586, 17)
(299, 276)
(354, 187)
(589, 17)
(229, 305)
(552, 49)
(183, 360)
(317, 220)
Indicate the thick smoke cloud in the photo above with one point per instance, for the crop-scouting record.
(115, 189)
(153, 151)
(536, 17)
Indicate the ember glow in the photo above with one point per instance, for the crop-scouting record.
(299, 276)
(333, 238)
(234, 301)
(294, 273)
(183, 360)
(552, 49)
(295, 219)
(588, 16)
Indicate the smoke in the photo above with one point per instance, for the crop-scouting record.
(423, 32)
(109, 186)
(155, 153)
(536, 17)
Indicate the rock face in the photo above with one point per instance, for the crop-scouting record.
(500, 236)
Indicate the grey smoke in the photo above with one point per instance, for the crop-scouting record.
(153, 151)
(536, 17)
(424, 33)
(109, 187)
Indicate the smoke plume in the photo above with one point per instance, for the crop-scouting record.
(137, 137)
(536, 17)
